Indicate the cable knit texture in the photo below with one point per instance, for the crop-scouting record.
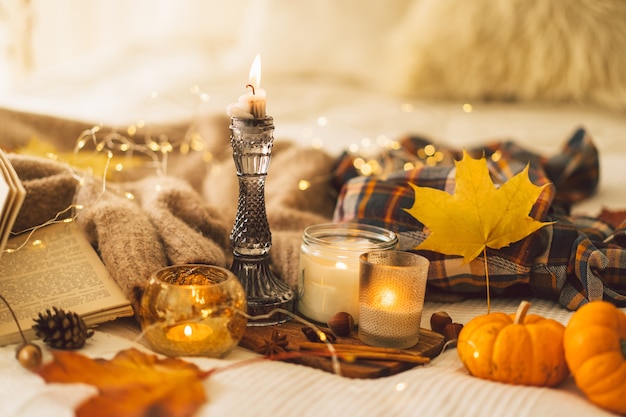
(182, 218)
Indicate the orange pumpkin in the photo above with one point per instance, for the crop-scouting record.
(514, 348)
(595, 350)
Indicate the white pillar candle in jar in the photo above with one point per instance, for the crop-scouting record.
(329, 267)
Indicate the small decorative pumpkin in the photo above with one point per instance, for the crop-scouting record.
(595, 350)
(514, 348)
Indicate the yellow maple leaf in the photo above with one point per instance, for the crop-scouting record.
(478, 214)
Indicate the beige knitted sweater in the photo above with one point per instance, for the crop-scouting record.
(189, 218)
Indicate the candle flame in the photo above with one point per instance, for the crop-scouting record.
(255, 72)
(188, 331)
(387, 298)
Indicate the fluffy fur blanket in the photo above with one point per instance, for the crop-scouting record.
(527, 50)
(550, 50)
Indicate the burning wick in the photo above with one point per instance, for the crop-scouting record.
(252, 87)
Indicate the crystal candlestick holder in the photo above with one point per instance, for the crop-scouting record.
(251, 239)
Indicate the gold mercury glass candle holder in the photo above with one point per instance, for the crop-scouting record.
(193, 310)
(392, 286)
(252, 140)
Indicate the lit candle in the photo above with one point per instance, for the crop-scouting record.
(191, 332)
(392, 286)
(210, 337)
(193, 310)
(390, 317)
(252, 104)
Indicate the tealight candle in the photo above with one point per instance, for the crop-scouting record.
(252, 104)
(392, 285)
(193, 310)
(329, 267)
(191, 332)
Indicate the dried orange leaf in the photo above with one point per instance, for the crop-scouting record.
(131, 384)
(478, 214)
(614, 218)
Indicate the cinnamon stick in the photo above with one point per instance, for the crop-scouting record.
(355, 352)
(348, 346)
(395, 357)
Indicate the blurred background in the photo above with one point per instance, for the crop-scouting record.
(336, 72)
(340, 75)
(563, 50)
(39, 36)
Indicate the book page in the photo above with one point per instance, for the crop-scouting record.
(6, 196)
(12, 194)
(56, 268)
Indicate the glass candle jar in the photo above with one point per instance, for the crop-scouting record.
(329, 267)
(392, 289)
(193, 310)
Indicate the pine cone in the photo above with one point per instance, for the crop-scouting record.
(62, 330)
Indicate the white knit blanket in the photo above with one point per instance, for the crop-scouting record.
(276, 389)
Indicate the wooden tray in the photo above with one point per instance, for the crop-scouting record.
(429, 345)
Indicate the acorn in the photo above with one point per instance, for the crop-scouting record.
(29, 355)
(341, 323)
(439, 320)
(62, 330)
(451, 332)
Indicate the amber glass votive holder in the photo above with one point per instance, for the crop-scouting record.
(392, 286)
(193, 310)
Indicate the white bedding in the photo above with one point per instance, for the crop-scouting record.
(273, 389)
(336, 114)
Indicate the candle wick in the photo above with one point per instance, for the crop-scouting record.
(252, 87)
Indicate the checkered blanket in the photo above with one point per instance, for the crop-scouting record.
(574, 260)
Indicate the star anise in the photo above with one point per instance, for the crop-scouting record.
(276, 344)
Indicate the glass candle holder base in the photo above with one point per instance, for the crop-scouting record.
(264, 291)
(404, 335)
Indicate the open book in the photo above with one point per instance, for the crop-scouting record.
(56, 267)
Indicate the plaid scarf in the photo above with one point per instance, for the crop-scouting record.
(574, 260)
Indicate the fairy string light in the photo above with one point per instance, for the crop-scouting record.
(334, 356)
(140, 140)
(121, 149)
(58, 217)
(137, 143)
